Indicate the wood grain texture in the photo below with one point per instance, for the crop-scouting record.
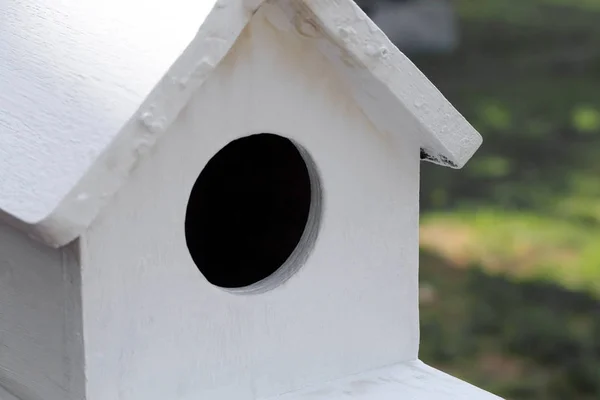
(156, 329)
(40, 320)
(409, 381)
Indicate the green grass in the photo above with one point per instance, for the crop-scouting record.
(521, 340)
(523, 244)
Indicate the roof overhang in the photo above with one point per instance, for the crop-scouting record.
(393, 93)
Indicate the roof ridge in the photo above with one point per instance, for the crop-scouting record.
(389, 88)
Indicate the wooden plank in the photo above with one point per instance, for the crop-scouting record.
(408, 381)
(4, 395)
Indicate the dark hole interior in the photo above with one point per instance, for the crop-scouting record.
(248, 210)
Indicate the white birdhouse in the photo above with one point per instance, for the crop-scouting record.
(217, 202)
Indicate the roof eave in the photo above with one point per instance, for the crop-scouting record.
(76, 212)
(445, 137)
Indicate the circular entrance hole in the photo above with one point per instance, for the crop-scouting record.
(253, 213)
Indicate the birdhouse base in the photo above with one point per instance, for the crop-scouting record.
(411, 380)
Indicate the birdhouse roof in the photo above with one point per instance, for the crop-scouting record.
(87, 87)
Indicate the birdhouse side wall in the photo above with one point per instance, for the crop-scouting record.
(40, 319)
(156, 328)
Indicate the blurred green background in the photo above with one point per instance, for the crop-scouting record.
(510, 245)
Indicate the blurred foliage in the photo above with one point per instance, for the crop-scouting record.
(516, 233)
(524, 244)
(519, 339)
(541, 131)
(526, 76)
(586, 119)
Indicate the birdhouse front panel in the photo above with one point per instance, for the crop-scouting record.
(267, 242)
(226, 199)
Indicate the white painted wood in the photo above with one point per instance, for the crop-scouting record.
(55, 183)
(4, 395)
(156, 329)
(398, 98)
(123, 313)
(40, 320)
(408, 381)
(73, 74)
